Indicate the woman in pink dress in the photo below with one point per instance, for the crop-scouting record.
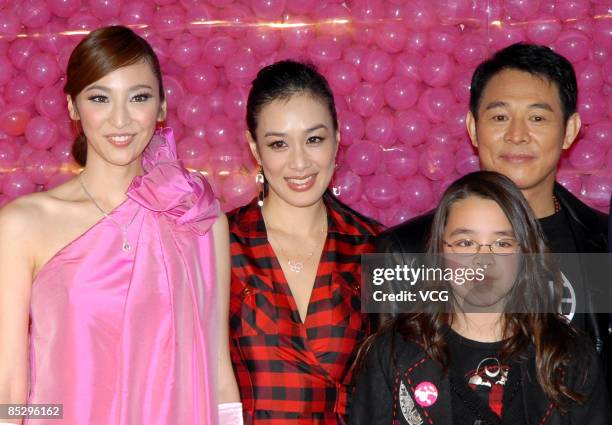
(114, 285)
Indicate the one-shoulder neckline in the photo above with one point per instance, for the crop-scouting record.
(51, 259)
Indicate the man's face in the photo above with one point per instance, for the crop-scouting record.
(520, 130)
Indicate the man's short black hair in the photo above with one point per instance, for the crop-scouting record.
(534, 59)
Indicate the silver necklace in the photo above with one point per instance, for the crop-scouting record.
(126, 246)
(295, 266)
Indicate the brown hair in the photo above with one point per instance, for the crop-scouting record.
(548, 333)
(97, 55)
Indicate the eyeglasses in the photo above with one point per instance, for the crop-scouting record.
(467, 247)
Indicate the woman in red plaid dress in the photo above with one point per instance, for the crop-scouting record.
(295, 292)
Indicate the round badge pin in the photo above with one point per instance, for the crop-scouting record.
(426, 394)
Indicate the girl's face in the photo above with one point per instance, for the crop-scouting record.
(118, 113)
(296, 146)
(474, 221)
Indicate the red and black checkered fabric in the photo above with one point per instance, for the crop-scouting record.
(291, 372)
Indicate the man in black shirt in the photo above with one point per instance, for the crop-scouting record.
(522, 116)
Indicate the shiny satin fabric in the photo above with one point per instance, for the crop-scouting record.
(129, 338)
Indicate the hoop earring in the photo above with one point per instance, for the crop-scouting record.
(260, 180)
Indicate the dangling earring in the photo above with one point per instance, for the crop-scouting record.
(260, 180)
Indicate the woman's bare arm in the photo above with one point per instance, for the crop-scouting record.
(16, 265)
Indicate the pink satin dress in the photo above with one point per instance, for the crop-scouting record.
(128, 338)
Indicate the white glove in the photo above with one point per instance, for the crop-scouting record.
(229, 414)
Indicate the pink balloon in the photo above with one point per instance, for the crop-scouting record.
(176, 125)
(587, 155)
(544, 30)
(397, 214)
(461, 86)
(330, 20)
(597, 189)
(419, 14)
(436, 163)
(363, 157)
(437, 69)
(401, 161)
(367, 99)
(484, 11)
(470, 51)
(570, 180)
(343, 77)
(355, 55)
(347, 186)
(521, 10)
(263, 40)
(193, 152)
(377, 66)
(435, 102)
(407, 65)
(600, 132)
(105, 9)
(174, 91)
(589, 76)
(505, 35)
(299, 7)
(51, 102)
(160, 47)
(466, 161)
(441, 137)
(268, 9)
(352, 127)
(137, 12)
(169, 21)
(17, 183)
(225, 159)
(216, 101)
(41, 132)
(573, 44)
(455, 121)
(218, 49)
(63, 152)
(185, 49)
(453, 12)
(234, 104)
(198, 15)
(13, 121)
(9, 25)
(83, 21)
(367, 10)
(585, 25)
(391, 37)
(237, 15)
(220, 130)
(20, 91)
(363, 207)
(239, 189)
(416, 193)
(443, 39)
(381, 190)
(8, 154)
(193, 110)
(241, 68)
(41, 165)
(21, 51)
(324, 50)
(401, 93)
(379, 129)
(411, 127)
(602, 33)
(571, 9)
(201, 78)
(6, 70)
(298, 37)
(416, 42)
(51, 38)
(34, 13)
(591, 106)
(42, 69)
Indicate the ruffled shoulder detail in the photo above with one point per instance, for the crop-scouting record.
(167, 187)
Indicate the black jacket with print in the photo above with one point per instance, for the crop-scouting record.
(384, 394)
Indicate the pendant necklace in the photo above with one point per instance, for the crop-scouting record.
(126, 246)
(295, 265)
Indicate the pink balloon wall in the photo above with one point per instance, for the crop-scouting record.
(400, 70)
